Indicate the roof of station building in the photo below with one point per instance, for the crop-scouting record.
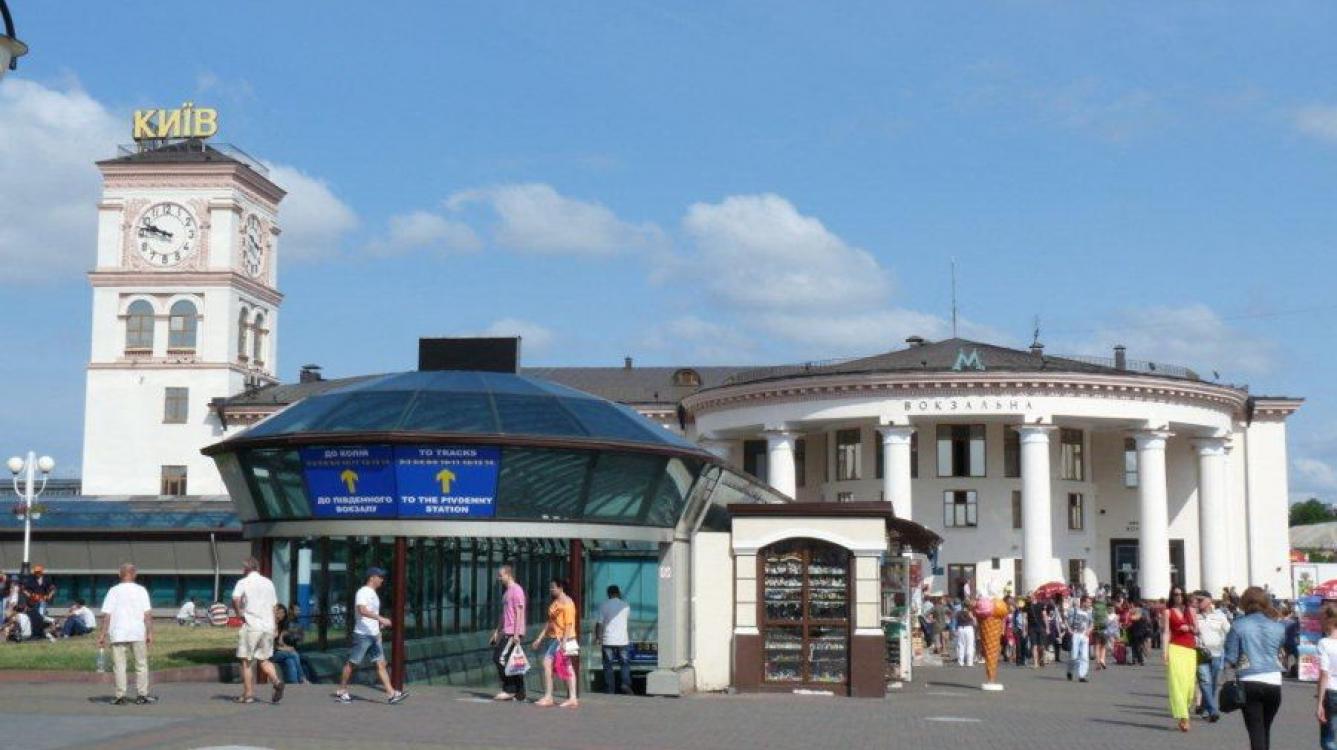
(956, 355)
(461, 403)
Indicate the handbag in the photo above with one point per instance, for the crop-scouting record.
(1204, 656)
(1231, 697)
(1067, 641)
(571, 647)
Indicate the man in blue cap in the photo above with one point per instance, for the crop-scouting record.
(367, 639)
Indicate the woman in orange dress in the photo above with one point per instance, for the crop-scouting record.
(560, 631)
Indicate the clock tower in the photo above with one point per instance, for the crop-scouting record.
(185, 310)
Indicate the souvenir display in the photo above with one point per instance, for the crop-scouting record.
(805, 597)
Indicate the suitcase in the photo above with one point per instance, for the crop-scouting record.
(1120, 652)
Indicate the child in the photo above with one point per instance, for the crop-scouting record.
(1112, 634)
(1139, 632)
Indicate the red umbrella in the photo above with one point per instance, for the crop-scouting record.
(1050, 590)
(1326, 590)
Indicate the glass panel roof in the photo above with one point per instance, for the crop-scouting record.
(486, 403)
(142, 515)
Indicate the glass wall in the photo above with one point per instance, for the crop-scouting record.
(166, 590)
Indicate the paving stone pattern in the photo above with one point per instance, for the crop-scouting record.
(1120, 709)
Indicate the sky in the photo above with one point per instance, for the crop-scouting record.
(714, 183)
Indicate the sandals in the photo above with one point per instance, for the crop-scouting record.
(544, 703)
(569, 703)
(244, 699)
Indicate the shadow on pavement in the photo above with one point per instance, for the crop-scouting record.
(1141, 725)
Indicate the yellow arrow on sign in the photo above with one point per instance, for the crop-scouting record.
(349, 478)
(445, 477)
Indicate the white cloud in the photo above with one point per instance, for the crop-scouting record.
(693, 339)
(49, 139)
(425, 230)
(1318, 121)
(534, 217)
(1313, 477)
(534, 338)
(1192, 335)
(314, 220)
(759, 252)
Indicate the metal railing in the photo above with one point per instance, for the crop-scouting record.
(227, 149)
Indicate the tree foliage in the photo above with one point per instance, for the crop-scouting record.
(1311, 511)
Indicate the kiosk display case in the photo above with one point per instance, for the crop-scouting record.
(805, 614)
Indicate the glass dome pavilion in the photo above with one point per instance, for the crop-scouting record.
(442, 477)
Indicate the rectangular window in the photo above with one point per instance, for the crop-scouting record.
(844, 497)
(1129, 462)
(1072, 467)
(1076, 568)
(961, 450)
(176, 405)
(958, 509)
(173, 481)
(1011, 453)
(879, 456)
(1076, 511)
(849, 455)
(800, 462)
(754, 458)
(1016, 576)
(914, 455)
(1016, 509)
(958, 576)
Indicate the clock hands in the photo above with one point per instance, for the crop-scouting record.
(153, 229)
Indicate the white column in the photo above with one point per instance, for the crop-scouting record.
(896, 468)
(1213, 528)
(1037, 515)
(1153, 547)
(780, 471)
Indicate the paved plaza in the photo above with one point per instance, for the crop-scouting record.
(1121, 709)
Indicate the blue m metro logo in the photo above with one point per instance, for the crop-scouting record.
(968, 360)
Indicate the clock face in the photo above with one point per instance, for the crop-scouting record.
(253, 247)
(166, 234)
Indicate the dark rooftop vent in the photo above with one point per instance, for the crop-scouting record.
(501, 354)
(1121, 357)
(914, 341)
(309, 374)
(626, 363)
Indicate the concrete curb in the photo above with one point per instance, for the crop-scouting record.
(205, 673)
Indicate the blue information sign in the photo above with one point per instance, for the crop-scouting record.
(353, 481)
(447, 481)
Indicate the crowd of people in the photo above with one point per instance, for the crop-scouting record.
(1199, 636)
(25, 601)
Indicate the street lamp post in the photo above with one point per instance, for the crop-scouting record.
(29, 469)
(11, 49)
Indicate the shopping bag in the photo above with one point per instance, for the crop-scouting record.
(516, 662)
(561, 666)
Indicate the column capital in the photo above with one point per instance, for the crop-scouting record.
(1210, 446)
(779, 433)
(893, 434)
(1035, 433)
(1151, 439)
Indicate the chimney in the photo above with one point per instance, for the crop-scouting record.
(1120, 357)
(1037, 349)
(309, 374)
(626, 363)
(915, 341)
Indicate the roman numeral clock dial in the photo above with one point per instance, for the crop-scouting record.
(253, 247)
(166, 234)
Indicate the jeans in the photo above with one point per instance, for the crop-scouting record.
(1260, 708)
(289, 664)
(1327, 731)
(1079, 660)
(511, 684)
(1209, 675)
(74, 626)
(620, 654)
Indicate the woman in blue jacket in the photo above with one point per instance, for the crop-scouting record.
(1252, 645)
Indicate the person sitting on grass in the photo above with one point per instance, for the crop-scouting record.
(18, 626)
(186, 615)
(80, 620)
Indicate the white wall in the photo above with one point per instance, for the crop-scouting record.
(1268, 505)
(712, 610)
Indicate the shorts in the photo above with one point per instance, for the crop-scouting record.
(365, 646)
(253, 643)
(550, 648)
(1098, 638)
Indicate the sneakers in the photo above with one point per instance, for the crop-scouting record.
(121, 701)
(145, 700)
(398, 697)
(342, 696)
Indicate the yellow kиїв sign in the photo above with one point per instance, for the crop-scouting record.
(187, 121)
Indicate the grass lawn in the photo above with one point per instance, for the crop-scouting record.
(173, 646)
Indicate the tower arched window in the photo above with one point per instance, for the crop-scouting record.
(139, 326)
(241, 334)
(258, 340)
(182, 325)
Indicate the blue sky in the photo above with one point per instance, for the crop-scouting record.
(715, 182)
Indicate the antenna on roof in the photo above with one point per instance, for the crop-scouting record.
(953, 297)
(1035, 332)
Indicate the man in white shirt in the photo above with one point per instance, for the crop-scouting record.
(18, 627)
(80, 620)
(1212, 629)
(254, 599)
(127, 623)
(186, 615)
(611, 631)
(367, 639)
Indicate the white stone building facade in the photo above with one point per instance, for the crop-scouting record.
(1033, 468)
